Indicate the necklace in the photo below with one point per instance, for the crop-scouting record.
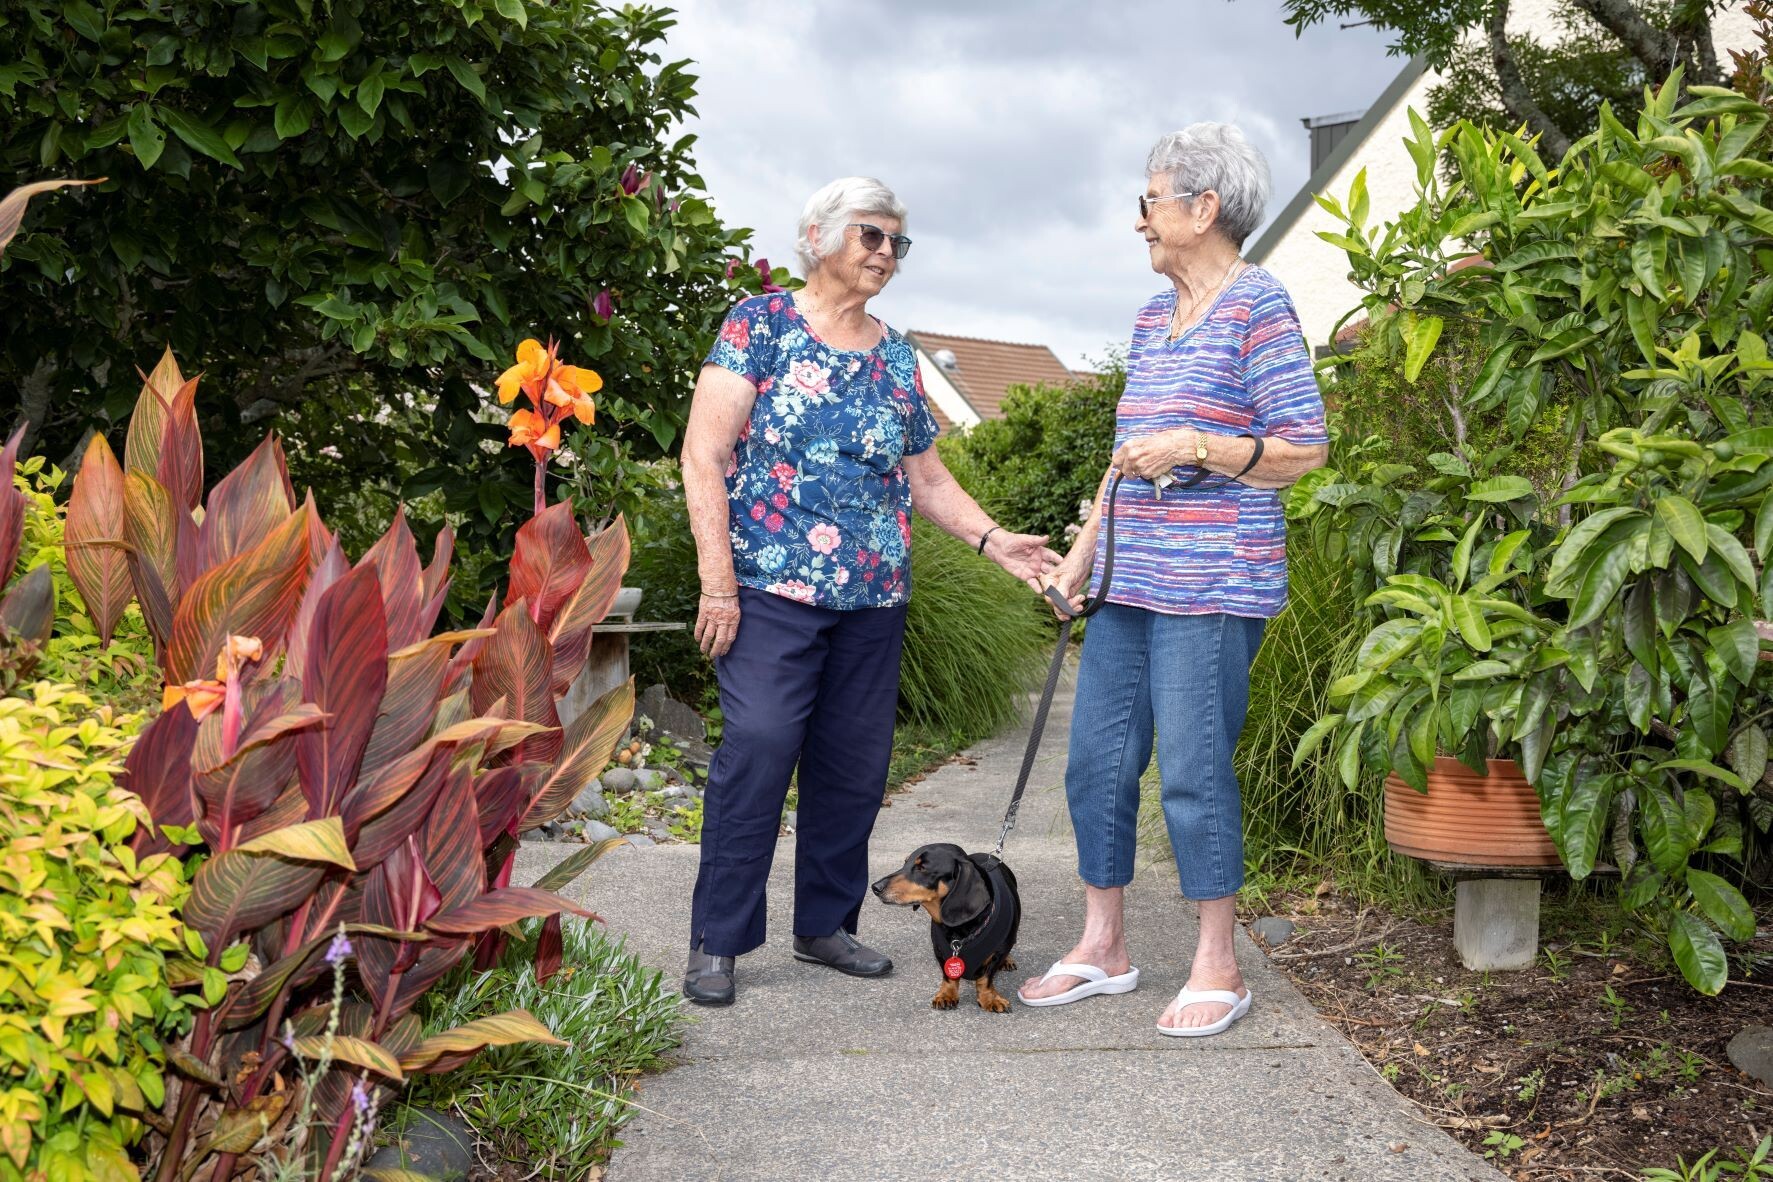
(1224, 280)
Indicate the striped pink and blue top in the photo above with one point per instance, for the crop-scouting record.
(1243, 369)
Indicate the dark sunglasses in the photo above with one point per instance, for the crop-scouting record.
(872, 236)
(1145, 203)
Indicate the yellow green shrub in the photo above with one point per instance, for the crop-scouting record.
(85, 933)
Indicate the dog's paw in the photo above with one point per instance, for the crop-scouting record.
(1008, 965)
(993, 1001)
(946, 997)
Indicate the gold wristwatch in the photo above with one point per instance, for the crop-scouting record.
(1200, 448)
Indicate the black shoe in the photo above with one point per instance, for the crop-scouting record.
(844, 953)
(708, 980)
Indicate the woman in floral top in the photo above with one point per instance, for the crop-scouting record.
(809, 442)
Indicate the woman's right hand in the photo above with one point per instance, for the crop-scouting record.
(717, 623)
(1072, 579)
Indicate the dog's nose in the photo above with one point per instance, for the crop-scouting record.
(880, 886)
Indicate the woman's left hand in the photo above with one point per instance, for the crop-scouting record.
(1153, 455)
(1024, 555)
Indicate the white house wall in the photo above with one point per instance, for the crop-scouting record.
(1316, 273)
(939, 390)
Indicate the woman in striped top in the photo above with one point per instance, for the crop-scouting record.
(1221, 400)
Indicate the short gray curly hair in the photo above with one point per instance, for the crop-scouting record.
(830, 209)
(1216, 156)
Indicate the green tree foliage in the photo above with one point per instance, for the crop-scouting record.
(1605, 51)
(1032, 468)
(342, 214)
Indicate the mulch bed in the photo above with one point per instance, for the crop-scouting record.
(1598, 1062)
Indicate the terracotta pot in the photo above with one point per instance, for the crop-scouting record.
(1468, 819)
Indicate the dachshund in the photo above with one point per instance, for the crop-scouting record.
(975, 912)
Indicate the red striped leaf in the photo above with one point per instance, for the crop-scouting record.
(585, 751)
(450, 1049)
(497, 908)
(252, 594)
(464, 660)
(408, 706)
(503, 794)
(12, 507)
(238, 789)
(180, 466)
(395, 557)
(550, 949)
(28, 610)
(147, 423)
(158, 769)
(403, 795)
(249, 503)
(436, 576)
(151, 531)
(12, 207)
(97, 561)
(252, 999)
(549, 563)
(571, 633)
(235, 892)
(290, 809)
(517, 666)
(345, 673)
(331, 567)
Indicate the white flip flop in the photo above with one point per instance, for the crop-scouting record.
(1094, 981)
(1188, 997)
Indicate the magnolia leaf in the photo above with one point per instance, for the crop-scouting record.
(1685, 523)
(311, 841)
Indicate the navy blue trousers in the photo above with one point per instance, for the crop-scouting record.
(804, 687)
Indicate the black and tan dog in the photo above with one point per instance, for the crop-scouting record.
(974, 911)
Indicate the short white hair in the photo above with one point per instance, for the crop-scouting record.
(830, 209)
(1216, 156)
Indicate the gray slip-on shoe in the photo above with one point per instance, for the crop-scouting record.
(708, 980)
(843, 952)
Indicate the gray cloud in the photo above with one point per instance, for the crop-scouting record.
(1015, 133)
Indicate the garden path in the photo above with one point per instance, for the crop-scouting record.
(816, 1075)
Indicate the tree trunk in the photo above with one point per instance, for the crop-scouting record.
(1553, 140)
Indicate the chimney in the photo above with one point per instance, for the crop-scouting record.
(1326, 132)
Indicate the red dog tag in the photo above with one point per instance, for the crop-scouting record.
(953, 967)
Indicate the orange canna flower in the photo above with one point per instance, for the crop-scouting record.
(571, 386)
(529, 429)
(203, 697)
(236, 653)
(529, 374)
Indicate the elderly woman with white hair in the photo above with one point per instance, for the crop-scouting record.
(809, 444)
(1221, 406)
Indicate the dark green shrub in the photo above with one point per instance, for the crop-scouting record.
(1031, 468)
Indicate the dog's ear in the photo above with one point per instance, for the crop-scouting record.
(968, 896)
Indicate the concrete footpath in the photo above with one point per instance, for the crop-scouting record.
(815, 1075)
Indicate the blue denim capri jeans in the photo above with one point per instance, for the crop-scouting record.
(1186, 679)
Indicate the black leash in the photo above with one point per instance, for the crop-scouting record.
(1090, 606)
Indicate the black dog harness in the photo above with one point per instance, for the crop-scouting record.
(963, 957)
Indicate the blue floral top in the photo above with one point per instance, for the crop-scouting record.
(820, 505)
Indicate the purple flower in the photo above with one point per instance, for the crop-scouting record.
(360, 1098)
(631, 181)
(603, 306)
(339, 950)
(763, 271)
(732, 267)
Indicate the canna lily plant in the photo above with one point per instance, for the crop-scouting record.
(333, 763)
(556, 392)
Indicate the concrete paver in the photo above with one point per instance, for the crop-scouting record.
(812, 1074)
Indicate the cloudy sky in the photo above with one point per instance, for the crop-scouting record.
(1014, 130)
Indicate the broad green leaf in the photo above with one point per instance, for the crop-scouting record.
(1583, 824)
(200, 136)
(1748, 753)
(1423, 333)
(1685, 523)
(146, 139)
(1704, 767)
(1726, 547)
(1499, 489)
(1722, 903)
(1462, 551)
(1698, 953)
(1599, 586)
(1468, 617)
(469, 80)
(1665, 828)
(1738, 646)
